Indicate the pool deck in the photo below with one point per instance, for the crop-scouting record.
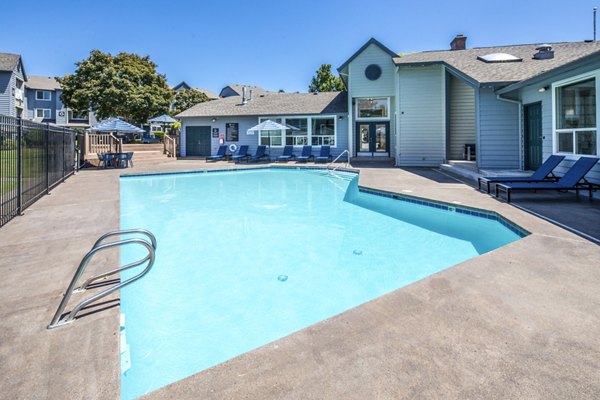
(521, 321)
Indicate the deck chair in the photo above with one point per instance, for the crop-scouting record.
(542, 174)
(573, 179)
(306, 154)
(241, 153)
(260, 153)
(324, 155)
(219, 156)
(288, 153)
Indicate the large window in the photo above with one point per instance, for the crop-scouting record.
(232, 132)
(297, 135)
(576, 118)
(373, 108)
(44, 113)
(323, 131)
(43, 95)
(316, 131)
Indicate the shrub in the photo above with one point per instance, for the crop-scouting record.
(9, 144)
(159, 135)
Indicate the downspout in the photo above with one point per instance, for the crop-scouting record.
(521, 139)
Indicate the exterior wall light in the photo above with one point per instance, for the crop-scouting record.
(543, 89)
(341, 117)
(214, 120)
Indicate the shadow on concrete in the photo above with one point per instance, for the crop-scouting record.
(432, 174)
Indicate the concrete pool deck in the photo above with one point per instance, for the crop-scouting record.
(518, 322)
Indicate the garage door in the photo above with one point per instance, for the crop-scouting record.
(197, 141)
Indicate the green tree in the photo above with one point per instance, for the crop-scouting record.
(125, 85)
(187, 98)
(326, 81)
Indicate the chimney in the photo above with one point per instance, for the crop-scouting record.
(458, 43)
(545, 52)
(244, 100)
(251, 94)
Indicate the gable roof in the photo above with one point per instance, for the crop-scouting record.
(272, 104)
(42, 83)
(238, 89)
(364, 46)
(8, 61)
(183, 85)
(479, 72)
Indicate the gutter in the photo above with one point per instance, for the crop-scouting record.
(520, 105)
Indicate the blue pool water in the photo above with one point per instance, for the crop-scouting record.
(247, 257)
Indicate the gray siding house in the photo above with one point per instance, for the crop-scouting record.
(44, 104)
(12, 85)
(319, 119)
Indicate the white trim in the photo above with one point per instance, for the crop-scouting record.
(309, 119)
(43, 116)
(595, 74)
(357, 118)
(43, 91)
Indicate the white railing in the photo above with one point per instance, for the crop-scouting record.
(336, 159)
(170, 145)
(101, 143)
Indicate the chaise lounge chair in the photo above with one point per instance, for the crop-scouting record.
(306, 154)
(542, 174)
(324, 155)
(571, 180)
(241, 153)
(260, 153)
(219, 156)
(288, 153)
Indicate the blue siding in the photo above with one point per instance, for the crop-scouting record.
(246, 123)
(5, 92)
(498, 132)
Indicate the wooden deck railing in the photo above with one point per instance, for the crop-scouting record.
(170, 146)
(101, 143)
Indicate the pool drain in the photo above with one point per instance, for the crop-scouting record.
(357, 252)
(282, 278)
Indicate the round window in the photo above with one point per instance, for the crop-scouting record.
(373, 72)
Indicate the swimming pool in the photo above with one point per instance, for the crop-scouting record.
(247, 257)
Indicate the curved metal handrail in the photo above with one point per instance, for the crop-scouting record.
(145, 232)
(337, 158)
(57, 321)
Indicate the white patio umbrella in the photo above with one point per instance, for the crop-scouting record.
(269, 126)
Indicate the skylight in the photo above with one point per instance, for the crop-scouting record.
(499, 58)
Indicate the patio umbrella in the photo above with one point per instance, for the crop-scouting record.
(269, 126)
(116, 125)
(163, 120)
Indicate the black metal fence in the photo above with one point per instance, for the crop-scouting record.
(34, 158)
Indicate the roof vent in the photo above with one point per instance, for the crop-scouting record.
(499, 58)
(545, 52)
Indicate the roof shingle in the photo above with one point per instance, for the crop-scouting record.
(272, 104)
(466, 60)
(42, 83)
(8, 61)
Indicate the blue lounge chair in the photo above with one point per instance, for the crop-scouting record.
(288, 153)
(324, 155)
(219, 156)
(573, 179)
(260, 153)
(241, 153)
(306, 154)
(542, 174)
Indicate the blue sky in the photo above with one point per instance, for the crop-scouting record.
(272, 44)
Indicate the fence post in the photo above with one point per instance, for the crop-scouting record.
(63, 158)
(19, 166)
(47, 140)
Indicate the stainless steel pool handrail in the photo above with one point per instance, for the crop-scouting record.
(337, 158)
(58, 319)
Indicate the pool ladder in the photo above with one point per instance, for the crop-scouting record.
(149, 244)
(332, 170)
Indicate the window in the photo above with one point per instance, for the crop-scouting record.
(373, 108)
(297, 135)
(275, 137)
(232, 132)
(44, 113)
(78, 116)
(43, 95)
(323, 131)
(576, 118)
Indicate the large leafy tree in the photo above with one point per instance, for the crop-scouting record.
(187, 98)
(125, 85)
(326, 81)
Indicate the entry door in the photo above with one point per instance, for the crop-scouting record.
(197, 141)
(372, 137)
(533, 135)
